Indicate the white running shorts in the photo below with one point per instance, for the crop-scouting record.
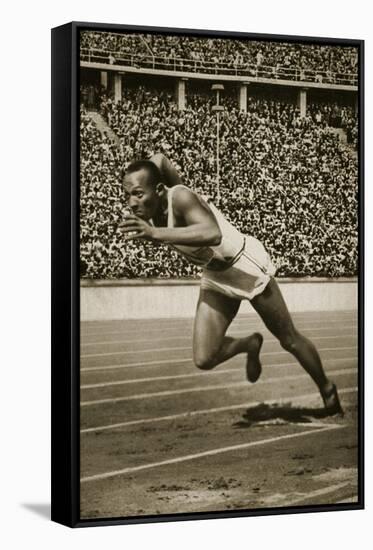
(247, 278)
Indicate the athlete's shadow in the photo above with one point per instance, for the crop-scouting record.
(285, 412)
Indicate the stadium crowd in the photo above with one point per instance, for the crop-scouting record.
(294, 61)
(103, 254)
(336, 115)
(286, 180)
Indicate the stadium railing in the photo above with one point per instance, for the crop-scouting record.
(251, 70)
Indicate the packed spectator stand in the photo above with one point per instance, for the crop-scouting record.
(286, 180)
(258, 59)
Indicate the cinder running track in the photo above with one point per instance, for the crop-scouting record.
(158, 436)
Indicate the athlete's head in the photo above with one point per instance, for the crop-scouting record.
(143, 188)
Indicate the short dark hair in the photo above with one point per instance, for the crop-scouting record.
(152, 169)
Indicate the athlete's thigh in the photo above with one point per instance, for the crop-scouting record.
(214, 314)
(272, 308)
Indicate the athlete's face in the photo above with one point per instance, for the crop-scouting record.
(142, 198)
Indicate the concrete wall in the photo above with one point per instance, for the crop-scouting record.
(109, 300)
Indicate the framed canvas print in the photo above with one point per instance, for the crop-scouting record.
(207, 274)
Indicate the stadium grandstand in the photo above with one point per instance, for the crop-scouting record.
(279, 156)
(274, 60)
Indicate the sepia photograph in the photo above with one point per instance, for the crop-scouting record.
(219, 239)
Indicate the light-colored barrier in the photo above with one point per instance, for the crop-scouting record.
(146, 299)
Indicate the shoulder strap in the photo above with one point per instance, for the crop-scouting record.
(170, 215)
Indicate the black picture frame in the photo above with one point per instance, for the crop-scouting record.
(65, 458)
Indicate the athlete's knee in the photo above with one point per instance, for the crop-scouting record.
(290, 341)
(204, 361)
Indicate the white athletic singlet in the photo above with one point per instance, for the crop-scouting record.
(218, 257)
(239, 267)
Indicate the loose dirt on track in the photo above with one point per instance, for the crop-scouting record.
(160, 437)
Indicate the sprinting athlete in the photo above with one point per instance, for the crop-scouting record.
(235, 267)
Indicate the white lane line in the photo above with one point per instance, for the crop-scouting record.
(317, 493)
(152, 350)
(211, 452)
(186, 348)
(241, 316)
(189, 359)
(248, 323)
(349, 500)
(231, 332)
(172, 324)
(142, 364)
(198, 374)
(305, 397)
(204, 388)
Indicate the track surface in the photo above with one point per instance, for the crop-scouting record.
(158, 436)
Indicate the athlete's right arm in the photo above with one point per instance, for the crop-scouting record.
(198, 225)
(168, 171)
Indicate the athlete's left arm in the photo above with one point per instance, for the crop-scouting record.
(201, 228)
(168, 171)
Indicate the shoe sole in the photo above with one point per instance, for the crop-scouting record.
(253, 372)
